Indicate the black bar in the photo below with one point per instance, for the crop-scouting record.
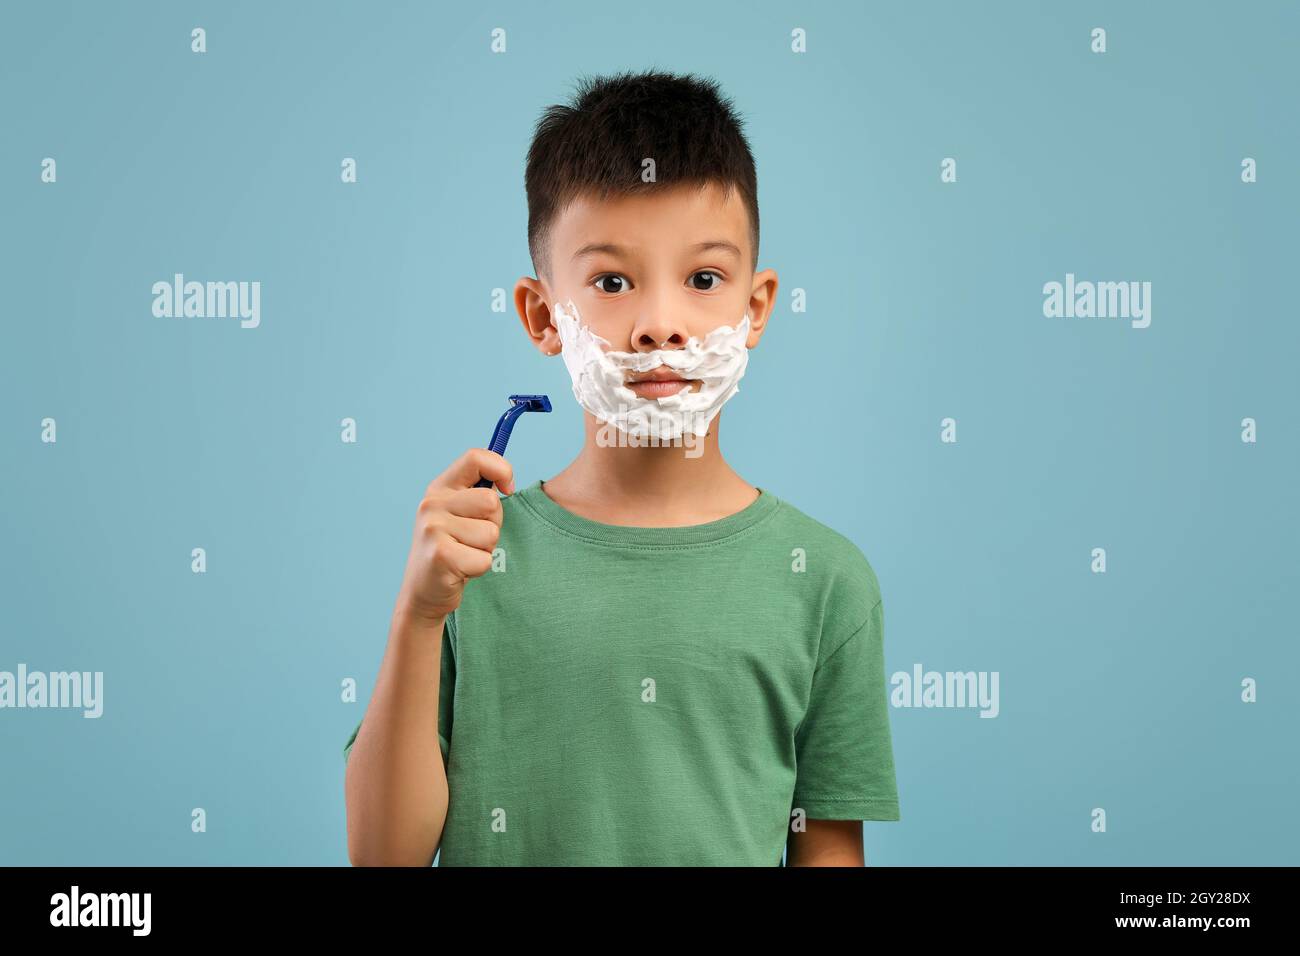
(242, 904)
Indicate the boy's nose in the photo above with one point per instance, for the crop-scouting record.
(651, 334)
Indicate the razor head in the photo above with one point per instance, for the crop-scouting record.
(532, 403)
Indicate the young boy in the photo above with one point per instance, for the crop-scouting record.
(644, 660)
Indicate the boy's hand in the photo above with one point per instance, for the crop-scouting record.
(456, 528)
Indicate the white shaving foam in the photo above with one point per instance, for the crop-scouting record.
(599, 375)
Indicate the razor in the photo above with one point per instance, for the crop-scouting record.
(506, 423)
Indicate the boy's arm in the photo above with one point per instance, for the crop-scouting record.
(826, 843)
(844, 751)
(396, 782)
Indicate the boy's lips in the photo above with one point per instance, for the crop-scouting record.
(659, 383)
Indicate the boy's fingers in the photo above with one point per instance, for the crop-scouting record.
(463, 560)
(477, 463)
(475, 503)
(480, 533)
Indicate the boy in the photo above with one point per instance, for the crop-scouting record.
(666, 665)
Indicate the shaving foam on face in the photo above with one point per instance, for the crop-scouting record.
(599, 377)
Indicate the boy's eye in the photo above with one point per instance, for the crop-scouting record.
(708, 287)
(611, 277)
(703, 281)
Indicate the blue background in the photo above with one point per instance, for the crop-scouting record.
(222, 690)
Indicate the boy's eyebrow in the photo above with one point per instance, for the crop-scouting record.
(613, 249)
(722, 244)
(592, 248)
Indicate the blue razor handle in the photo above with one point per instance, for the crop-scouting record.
(501, 434)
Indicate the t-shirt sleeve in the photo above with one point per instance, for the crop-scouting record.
(446, 693)
(843, 747)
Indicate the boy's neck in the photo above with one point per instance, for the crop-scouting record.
(650, 487)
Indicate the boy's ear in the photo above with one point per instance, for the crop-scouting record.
(762, 300)
(532, 302)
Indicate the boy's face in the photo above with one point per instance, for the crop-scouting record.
(650, 271)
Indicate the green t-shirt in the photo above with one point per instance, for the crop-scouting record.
(625, 696)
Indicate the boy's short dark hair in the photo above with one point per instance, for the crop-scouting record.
(597, 142)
